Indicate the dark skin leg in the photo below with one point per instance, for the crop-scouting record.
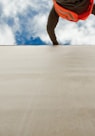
(52, 22)
(51, 25)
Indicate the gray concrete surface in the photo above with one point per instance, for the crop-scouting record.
(47, 91)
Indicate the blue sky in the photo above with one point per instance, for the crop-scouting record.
(24, 23)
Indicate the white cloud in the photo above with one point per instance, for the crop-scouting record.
(11, 8)
(15, 8)
(6, 35)
(79, 33)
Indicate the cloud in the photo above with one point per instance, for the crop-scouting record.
(6, 35)
(26, 17)
(78, 33)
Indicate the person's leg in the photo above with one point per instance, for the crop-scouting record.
(51, 24)
(93, 11)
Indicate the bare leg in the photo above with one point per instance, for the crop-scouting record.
(51, 24)
(93, 11)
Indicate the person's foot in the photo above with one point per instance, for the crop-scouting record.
(55, 43)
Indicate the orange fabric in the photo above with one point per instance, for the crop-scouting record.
(70, 15)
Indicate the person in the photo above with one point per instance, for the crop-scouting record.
(72, 10)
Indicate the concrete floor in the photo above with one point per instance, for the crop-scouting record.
(47, 91)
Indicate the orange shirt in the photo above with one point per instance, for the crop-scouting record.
(70, 15)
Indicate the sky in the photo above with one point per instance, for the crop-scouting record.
(24, 23)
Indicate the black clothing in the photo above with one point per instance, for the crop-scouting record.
(52, 22)
(78, 6)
